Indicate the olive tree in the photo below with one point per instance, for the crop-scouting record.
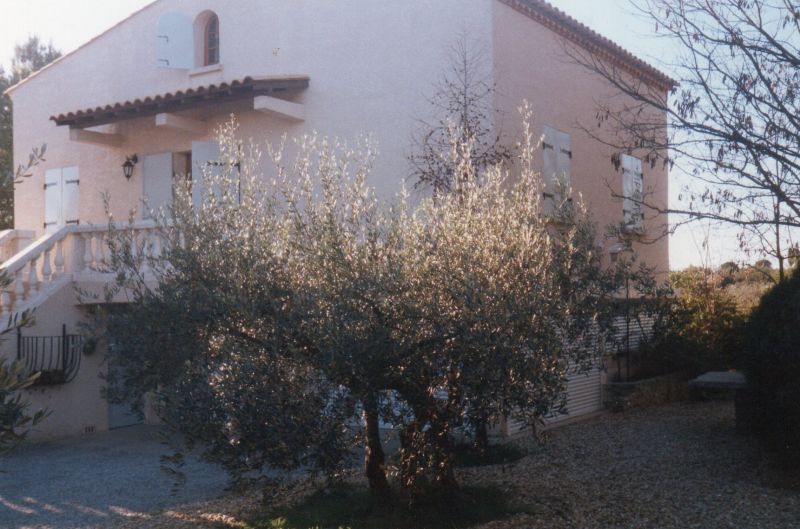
(293, 312)
(222, 358)
(507, 299)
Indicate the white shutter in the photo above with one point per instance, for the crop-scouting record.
(557, 166)
(632, 191)
(175, 42)
(205, 158)
(52, 199)
(70, 195)
(564, 157)
(207, 162)
(550, 161)
(157, 181)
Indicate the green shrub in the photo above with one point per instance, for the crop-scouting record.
(709, 327)
(696, 324)
(771, 361)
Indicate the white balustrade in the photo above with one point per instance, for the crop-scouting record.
(47, 271)
(72, 250)
(88, 255)
(156, 248)
(59, 260)
(5, 299)
(33, 276)
(145, 251)
(100, 250)
(19, 286)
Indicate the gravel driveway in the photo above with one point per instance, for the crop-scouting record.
(679, 466)
(95, 480)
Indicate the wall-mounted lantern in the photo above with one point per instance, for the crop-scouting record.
(130, 163)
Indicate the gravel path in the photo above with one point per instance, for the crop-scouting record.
(677, 466)
(95, 480)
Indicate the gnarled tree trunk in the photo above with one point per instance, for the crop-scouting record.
(374, 457)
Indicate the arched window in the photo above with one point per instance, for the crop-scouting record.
(211, 41)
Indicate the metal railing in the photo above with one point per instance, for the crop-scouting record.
(57, 359)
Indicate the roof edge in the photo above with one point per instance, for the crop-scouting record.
(594, 42)
(10, 90)
(180, 100)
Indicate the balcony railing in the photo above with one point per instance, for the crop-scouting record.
(57, 359)
(60, 256)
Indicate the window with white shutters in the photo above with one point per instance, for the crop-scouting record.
(557, 167)
(71, 195)
(52, 199)
(175, 42)
(632, 192)
(208, 164)
(157, 182)
(61, 197)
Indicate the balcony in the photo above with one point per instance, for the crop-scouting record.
(57, 359)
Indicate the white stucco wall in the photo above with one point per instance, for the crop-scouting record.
(530, 64)
(371, 64)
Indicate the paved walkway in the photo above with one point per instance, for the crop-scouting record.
(95, 480)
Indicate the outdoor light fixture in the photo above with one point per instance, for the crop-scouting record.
(127, 167)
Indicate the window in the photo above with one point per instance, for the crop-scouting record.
(556, 168)
(212, 168)
(61, 197)
(632, 192)
(211, 41)
(186, 44)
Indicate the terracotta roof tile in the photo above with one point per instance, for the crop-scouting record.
(180, 100)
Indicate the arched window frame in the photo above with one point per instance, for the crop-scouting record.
(211, 41)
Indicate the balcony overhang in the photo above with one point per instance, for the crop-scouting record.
(181, 100)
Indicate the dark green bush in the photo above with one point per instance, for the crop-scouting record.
(771, 361)
(708, 326)
(695, 324)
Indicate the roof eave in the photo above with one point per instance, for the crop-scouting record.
(585, 37)
(181, 100)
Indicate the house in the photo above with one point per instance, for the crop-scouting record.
(148, 93)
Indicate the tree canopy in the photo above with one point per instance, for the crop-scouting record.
(287, 322)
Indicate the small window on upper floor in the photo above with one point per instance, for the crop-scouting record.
(184, 44)
(211, 41)
(556, 169)
(633, 194)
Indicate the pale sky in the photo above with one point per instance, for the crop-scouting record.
(70, 23)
